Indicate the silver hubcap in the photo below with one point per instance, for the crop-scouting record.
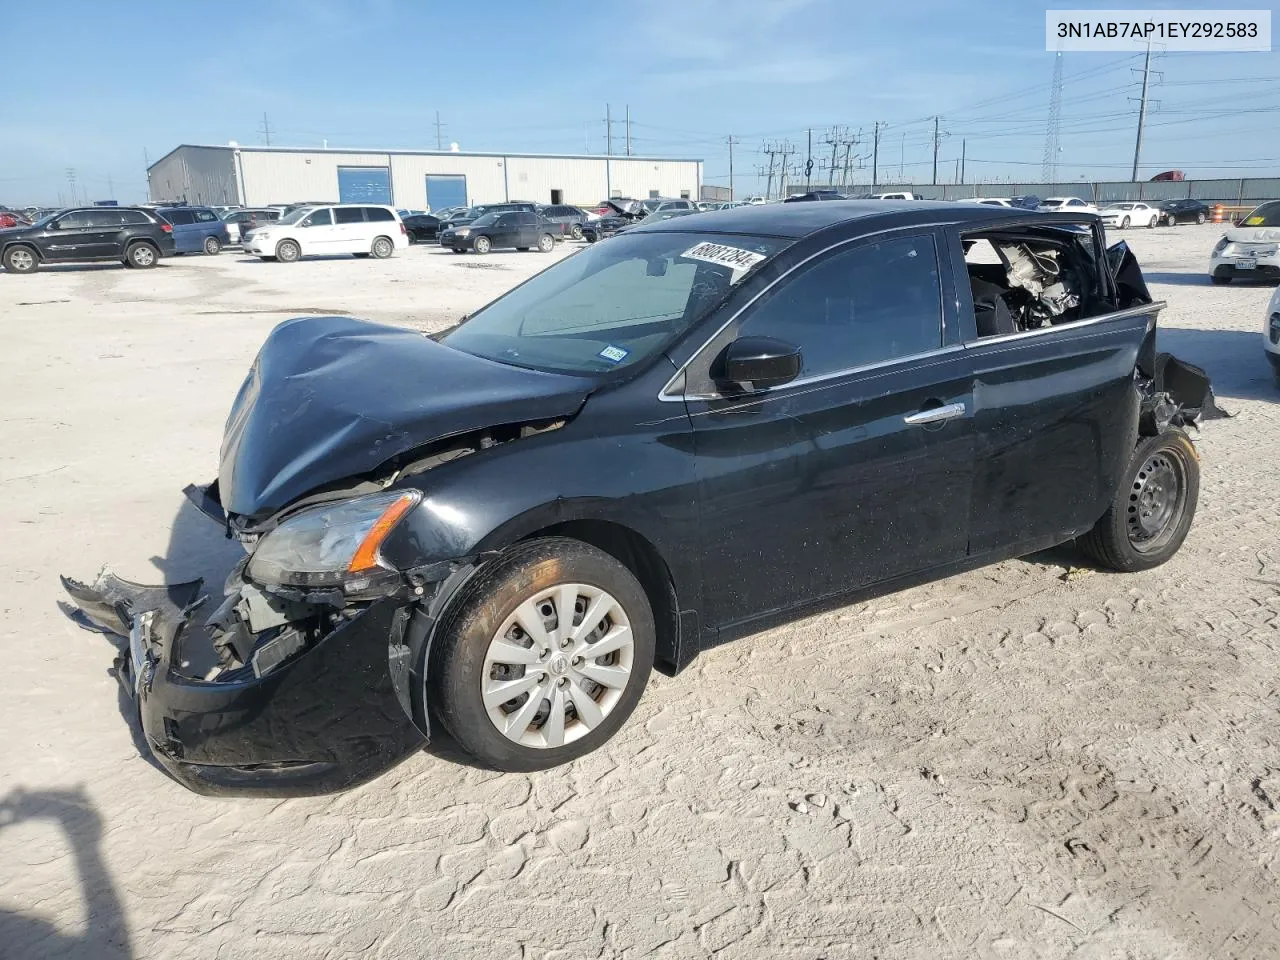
(482, 244)
(558, 665)
(382, 248)
(21, 259)
(211, 246)
(288, 252)
(143, 256)
(546, 243)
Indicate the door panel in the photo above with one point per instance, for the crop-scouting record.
(818, 490)
(82, 235)
(316, 233)
(1056, 418)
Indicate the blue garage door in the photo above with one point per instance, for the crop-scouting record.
(364, 184)
(446, 190)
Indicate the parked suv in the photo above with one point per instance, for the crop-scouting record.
(519, 229)
(132, 235)
(196, 229)
(357, 229)
(569, 219)
(468, 214)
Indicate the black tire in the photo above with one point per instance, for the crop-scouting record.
(1151, 224)
(546, 243)
(1153, 507)
(288, 251)
(592, 238)
(1200, 218)
(453, 678)
(21, 259)
(1221, 280)
(212, 246)
(1124, 224)
(382, 248)
(141, 255)
(576, 231)
(482, 245)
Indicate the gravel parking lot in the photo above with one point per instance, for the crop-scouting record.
(1030, 760)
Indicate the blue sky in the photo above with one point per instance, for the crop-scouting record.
(110, 86)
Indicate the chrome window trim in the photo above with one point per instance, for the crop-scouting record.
(666, 396)
(1154, 307)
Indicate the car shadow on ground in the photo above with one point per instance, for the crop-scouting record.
(1234, 360)
(105, 930)
(86, 267)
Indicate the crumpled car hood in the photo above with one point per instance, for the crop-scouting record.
(333, 397)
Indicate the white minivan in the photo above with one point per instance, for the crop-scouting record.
(359, 229)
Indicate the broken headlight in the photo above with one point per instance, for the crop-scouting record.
(338, 545)
(1221, 245)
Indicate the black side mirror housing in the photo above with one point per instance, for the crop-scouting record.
(760, 362)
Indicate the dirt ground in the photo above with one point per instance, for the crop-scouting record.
(1026, 761)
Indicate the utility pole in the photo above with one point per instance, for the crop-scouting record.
(833, 141)
(71, 182)
(936, 139)
(875, 155)
(731, 140)
(608, 131)
(902, 152)
(628, 129)
(1049, 162)
(808, 163)
(964, 149)
(768, 189)
(439, 132)
(266, 128)
(1142, 112)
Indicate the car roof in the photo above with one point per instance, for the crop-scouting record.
(797, 220)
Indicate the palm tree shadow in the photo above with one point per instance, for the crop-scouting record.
(106, 931)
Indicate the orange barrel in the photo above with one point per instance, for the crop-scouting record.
(1217, 213)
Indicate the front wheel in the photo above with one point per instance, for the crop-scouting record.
(1153, 508)
(546, 243)
(482, 245)
(288, 251)
(212, 246)
(1124, 224)
(543, 656)
(20, 260)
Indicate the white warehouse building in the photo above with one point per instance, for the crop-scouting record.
(409, 179)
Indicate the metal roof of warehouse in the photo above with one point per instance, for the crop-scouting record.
(425, 153)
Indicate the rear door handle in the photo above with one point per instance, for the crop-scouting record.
(935, 414)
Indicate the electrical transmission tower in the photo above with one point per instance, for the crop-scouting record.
(1049, 164)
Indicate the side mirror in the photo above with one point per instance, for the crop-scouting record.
(760, 362)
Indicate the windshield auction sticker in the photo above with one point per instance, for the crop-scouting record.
(735, 258)
(1130, 30)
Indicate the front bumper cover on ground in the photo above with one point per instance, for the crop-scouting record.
(328, 719)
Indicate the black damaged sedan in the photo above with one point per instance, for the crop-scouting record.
(704, 427)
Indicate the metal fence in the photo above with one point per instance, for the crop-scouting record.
(1234, 192)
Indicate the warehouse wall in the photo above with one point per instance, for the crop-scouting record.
(254, 177)
(196, 175)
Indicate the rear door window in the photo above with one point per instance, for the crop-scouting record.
(348, 215)
(379, 214)
(180, 218)
(133, 217)
(206, 216)
(104, 218)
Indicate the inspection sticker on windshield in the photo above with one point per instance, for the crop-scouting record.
(735, 258)
(613, 354)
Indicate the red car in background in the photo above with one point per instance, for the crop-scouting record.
(10, 218)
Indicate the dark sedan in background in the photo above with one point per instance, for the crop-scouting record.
(520, 229)
(421, 227)
(1183, 211)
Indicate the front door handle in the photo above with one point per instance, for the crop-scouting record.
(935, 414)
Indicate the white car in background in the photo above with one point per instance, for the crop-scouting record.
(1124, 215)
(989, 201)
(1251, 249)
(894, 196)
(1066, 205)
(359, 229)
(1271, 334)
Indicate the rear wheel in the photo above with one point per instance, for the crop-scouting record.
(543, 657)
(1153, 508)
(383, 247)
(546, 243)
(288, 251)
(141, 256)
(482, 245)
(1200, 218)
(212, 246)
(21, 260)
(576, 231)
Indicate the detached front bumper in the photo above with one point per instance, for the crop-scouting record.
(329, 718)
